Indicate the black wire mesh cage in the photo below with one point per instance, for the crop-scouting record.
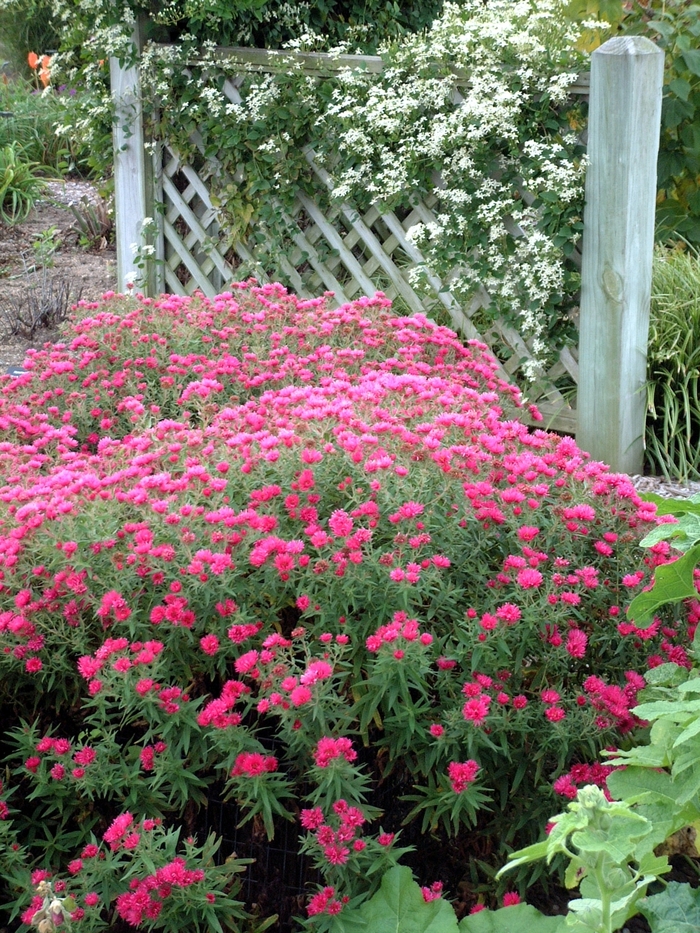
(280, 878)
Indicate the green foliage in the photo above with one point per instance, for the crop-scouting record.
(32, 120)
(518, 918)
(506, 212)
(674, 581)
(674, 910)
(27, 26)
(673, 365)
(610, 859)
(19, 185)
(398, 905)
(675, 27)
(360, 24)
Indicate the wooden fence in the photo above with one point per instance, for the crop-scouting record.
(350, 254)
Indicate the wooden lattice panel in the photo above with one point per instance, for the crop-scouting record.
(341, 251)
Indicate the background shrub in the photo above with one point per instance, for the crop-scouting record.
(307, 555)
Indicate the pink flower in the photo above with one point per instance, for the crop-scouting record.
(576, 642)
(300, 695)
(246, 662)
(528, 578)
(311, 819)
(118, 827)
(85, 756)
(317, 670)
(462, 774)
(510, 899)
(58, 772)
(253, 764)
(329, 749)
(476, 710)
(340, 523)
(385, 839)
(91, 899)
(433, 892)
(555, 713)
(209, 644)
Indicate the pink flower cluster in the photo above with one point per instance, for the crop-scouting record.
(462, 774)
(399, 633)
(325, 902)
(579, 775)
(59, 749)
(336, 844)
(145, 898)
(329, 750)
(253, 764)
(335, 469)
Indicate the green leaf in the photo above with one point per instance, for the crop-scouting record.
(520, 918)
(681, 88)
(675, 910)
(398, 907)
(692, 60)
(672, 582)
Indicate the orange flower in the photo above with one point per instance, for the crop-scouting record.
(45, 74)
(33, 59)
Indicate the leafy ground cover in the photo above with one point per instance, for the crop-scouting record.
(309, 556)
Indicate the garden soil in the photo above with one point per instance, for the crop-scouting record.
(42, 260)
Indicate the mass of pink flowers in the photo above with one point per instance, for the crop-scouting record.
(256, 536)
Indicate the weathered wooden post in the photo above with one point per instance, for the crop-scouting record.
(131, 168)
(623, 142)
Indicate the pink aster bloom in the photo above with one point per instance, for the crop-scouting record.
(576, 642)
(340, 523)
(462, 774)
(476, 710)
(528, 578)
(329, 749)
(209, 644)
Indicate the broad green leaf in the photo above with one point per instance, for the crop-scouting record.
(681, 88)
(668, 709)
(683, 533)
(633, 784)
(688, 733)
(398, 907)
(666, 506)
(675, 910)
(692, 60)
(672, 582)
(520, 918)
